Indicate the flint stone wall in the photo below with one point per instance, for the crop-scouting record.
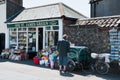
(92, 36)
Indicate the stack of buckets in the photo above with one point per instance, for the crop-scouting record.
(41, 61)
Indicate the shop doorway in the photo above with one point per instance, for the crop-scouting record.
(2, 42)
(40, 38)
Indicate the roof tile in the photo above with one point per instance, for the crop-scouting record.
(108, 21)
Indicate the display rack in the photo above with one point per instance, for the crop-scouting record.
(114, 43)
(22, 38)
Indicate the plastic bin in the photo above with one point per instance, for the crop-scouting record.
(36, 60)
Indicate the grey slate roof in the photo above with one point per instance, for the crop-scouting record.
(48, 11)
(108, 21)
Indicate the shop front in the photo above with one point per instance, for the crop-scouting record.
(39, 27)
(34, 36)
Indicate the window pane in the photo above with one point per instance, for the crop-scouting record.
(32, 41)
(48, 28)
(55, 28)
(13, 39)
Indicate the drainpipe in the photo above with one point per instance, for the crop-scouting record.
(93, 8)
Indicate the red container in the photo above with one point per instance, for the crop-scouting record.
(36, 60)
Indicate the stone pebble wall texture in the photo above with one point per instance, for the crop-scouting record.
(92, 36)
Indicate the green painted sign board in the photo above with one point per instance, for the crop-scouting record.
(33, 24)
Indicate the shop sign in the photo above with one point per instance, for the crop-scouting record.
(33, 24)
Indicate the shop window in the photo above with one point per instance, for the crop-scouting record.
(13, 29)
(48, 28)
(52, 28)
(13, 38)
(32, 39)
(51, 38)
(22, 29)
(31, 29)
(19, 29)
(22, 40)
(55, 28)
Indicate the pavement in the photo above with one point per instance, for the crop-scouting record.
(27, 70)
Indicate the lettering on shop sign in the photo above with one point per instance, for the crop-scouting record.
(33, 24)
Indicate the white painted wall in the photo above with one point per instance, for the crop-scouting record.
(2, 18)
(60, 29)
(3, 26)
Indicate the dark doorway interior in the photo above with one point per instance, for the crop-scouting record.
(56, 38)
(40, 38)
(2, 42)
